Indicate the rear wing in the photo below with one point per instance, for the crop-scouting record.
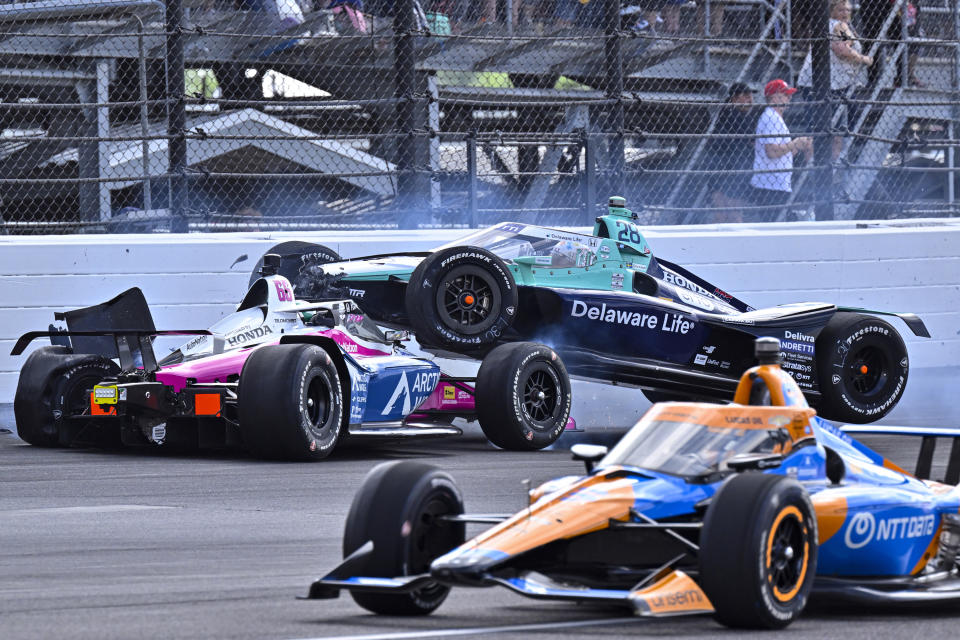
(133, 347)
(912, 320)
(120, 328)
(927, 446)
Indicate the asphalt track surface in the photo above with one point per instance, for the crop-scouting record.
(150, 544)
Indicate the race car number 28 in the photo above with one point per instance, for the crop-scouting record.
(628, 233)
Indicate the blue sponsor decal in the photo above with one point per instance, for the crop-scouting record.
(359, 385)
(797, 342)
(395, 392)
(880, 536)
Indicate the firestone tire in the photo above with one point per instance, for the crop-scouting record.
(290, 403)
(53, 386)
(462, 298)
(862, 367)
(397, 507)
(523, 396)
(758, 551)
(295, 255)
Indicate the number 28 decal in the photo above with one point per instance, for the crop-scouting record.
(628, 233)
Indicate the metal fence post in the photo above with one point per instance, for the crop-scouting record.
(144, 128)
(472, 178)
(404, 65)
(102, 70)
(590, 176)
(88, 165)
(613, 62)
(176, 116)
(955, 108)
(823, 145)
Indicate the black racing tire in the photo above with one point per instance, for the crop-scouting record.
(397, 508)
(758, 551)
(290, 403)
(294, 256)
(862, 368)
(53, 386)
(462, 298)
(523, 396)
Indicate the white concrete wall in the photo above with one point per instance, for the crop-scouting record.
(191, 280)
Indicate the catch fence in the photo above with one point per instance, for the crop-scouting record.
(149, 116)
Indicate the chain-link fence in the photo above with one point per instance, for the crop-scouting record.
(143, 115)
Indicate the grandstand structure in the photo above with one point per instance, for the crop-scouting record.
(316, 121)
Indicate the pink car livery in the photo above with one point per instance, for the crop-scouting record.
(283, 378)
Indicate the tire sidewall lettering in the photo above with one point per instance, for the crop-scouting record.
(62, 384)
(520, 377)
(432, 278)
(849, 403)
(313, 370)
(779, 610)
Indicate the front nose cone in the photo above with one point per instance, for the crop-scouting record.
(465, 567)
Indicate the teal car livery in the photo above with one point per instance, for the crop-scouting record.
(614, 312)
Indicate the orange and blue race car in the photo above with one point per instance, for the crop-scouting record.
(742, 511)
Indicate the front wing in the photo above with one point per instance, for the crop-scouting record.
(669, 593)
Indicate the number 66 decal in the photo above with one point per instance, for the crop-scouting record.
(284, 293)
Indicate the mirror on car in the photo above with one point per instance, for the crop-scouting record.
(589, 454)
(748, 461)
(393, 335)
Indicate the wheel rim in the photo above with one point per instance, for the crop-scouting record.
(867, 371)
(317, 404)
(541, 397)
(788, 550)
(468, 300)
(430, 538)
(76, 400)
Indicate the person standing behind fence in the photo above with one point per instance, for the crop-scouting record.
(848, 68)
(873, 13)
(732, 150)
(773, 151)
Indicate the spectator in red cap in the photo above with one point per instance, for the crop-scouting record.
(773, 149)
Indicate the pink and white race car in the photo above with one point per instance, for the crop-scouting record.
(284, 378)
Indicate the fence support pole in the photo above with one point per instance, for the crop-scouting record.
(404, 61)
(472, 177)
(589, 177)
(144, 122)
(613, 62)
(823, 145)
(88, 165)
(955, 108)
(176, 116)
(103, 131)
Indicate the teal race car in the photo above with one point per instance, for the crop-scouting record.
(614, 312)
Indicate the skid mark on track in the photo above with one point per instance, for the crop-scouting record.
(476, 631)
(103, 508)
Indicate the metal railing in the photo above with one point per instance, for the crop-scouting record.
(118, 116)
